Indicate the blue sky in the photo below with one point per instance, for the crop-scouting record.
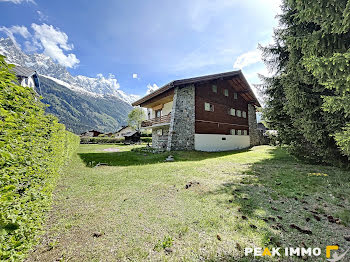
(158, 40)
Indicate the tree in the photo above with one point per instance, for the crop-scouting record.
(135, 118)
(308, 95)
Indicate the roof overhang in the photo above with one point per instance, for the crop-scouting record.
(236, 79)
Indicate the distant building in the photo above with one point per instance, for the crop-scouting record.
(123, 130)
(132, 137)
(91, 133)
(27, 77)
(262, 127)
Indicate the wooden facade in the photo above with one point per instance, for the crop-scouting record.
(220, 121)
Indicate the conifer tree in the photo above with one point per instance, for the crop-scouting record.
(309, 93)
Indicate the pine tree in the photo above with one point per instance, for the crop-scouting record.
(309, 102)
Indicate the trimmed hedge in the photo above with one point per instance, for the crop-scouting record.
(100, 140)
(146, 139)
(33, 148)
(108, 140)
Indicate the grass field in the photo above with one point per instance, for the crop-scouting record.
(202, 207)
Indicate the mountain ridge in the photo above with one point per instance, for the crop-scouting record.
(81, 103)
(46, 66)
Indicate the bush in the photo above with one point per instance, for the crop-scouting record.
(100, 140)
(33, 148)
(146, 139)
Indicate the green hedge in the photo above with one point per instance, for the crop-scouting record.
(100, 140)
(146, 139)
(33, 148)
(108, 140)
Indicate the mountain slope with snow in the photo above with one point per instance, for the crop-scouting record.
(81, 103)
(45, 65)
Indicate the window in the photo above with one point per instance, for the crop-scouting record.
(244, 114)
(158, 113)
(149, 114)
(235, 96)
(245, 132)
(208, 107)
(239, 132)
(226, 92)
(239, 113)
(233, 132)
(160, 132)
(214, 88)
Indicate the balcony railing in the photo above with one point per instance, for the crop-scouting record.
(157, 121)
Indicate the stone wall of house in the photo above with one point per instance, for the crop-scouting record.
(253, 126)
(182, 125)
(160, 141)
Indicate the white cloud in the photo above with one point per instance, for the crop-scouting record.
(110, 81)
(42, 16)
(247, 59)
(19, 1)
(151, 88)
(16, 29)
(134, 76)
(54, 42)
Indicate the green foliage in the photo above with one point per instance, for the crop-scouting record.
(33, 148)
(309, 94)
(80, 112)
(135, 118)
(146, 139)
(343, 140)
(100, 140)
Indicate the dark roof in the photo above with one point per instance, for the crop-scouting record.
(123, 127)
(23, 71)
(193, 80)
(130, 134)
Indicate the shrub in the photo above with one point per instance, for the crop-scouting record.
(100, 140)
(33, 148)
(146, 139)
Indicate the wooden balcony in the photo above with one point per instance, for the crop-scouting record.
(158, 121)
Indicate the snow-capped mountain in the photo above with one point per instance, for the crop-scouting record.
(45, 66)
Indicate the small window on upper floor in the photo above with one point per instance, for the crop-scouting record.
(244, 114)
(226, 92)
(214, 88)
(239, 132)
(245, 132)
(235, 96)
(233, 132)
(239, 113)
(232, 112)
(208, 107)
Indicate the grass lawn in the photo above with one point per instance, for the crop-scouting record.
(137, 208)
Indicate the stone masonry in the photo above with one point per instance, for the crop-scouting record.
(253, 126)
(182, 125)
(160, 141)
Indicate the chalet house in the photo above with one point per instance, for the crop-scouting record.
(207, 113)
(27, 77)
(123, 130)
(132, 137)
(92, 133)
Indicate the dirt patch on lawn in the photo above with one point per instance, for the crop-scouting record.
(111, 149)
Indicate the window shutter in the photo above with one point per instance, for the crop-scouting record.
(235, 95)
(244, 113)
(239, 113)
(233, 112)
(206, 106)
